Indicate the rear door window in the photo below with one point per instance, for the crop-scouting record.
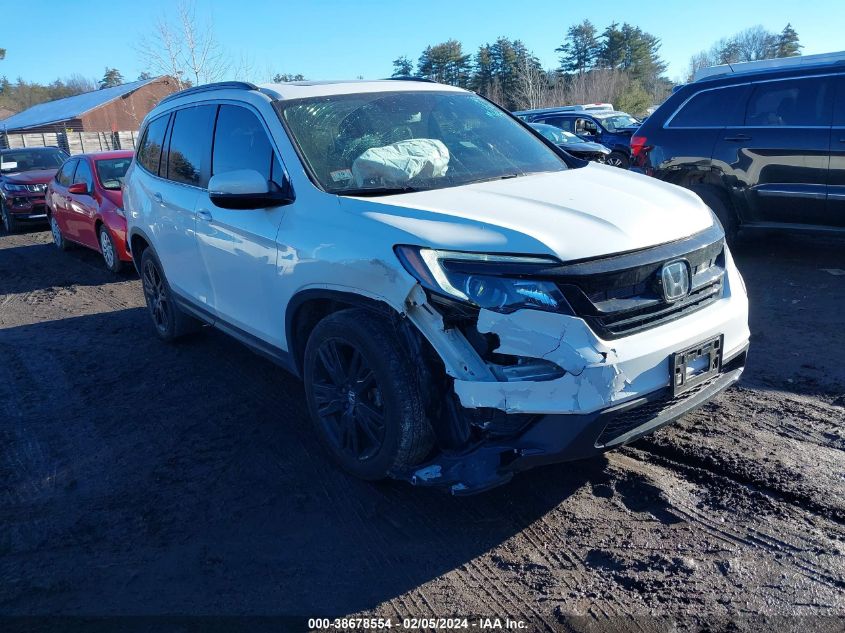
(189, 156)
(65, 175)
(559, 122)
(240, 142)
(720, 107)
(791, 103)
(149, 152)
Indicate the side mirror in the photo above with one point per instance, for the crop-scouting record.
(78, 188)
(246, 189)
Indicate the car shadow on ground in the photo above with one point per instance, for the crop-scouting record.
(18, 275)
(147, 478)
(796, 285)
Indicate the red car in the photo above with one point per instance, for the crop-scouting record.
(85, 205)
(24, 174)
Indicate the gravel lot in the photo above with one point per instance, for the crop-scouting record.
(145, 479)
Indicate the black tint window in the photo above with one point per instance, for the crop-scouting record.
(712, 108)
(559, 122)
(795, 102)
(84, 174)
(190, 145)
(65, 175)
(240, 142)
(149, 152)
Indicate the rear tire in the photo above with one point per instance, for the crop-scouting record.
(169, 322)
(10, 224)
(364, 395)
(108, 250)
(720, 204)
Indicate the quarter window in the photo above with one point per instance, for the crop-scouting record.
(149, 153)
(240, 142)
(190, 145)
(796, 102)
(712, 108)
(65, 175)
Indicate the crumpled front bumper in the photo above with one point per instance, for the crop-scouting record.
(558, 438)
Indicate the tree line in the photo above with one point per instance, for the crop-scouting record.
(620, 64)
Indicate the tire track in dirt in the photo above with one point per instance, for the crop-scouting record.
(802, 557)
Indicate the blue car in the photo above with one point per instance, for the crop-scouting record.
(611, 128)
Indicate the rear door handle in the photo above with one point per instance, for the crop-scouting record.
(157, 197)
(738, 137)
(202, 214)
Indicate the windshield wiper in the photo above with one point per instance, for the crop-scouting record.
(376, 191)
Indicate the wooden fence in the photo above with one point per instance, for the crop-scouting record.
(72, 142)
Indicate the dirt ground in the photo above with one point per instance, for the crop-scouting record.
(143, 479)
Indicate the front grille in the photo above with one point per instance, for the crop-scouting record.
(620, 295)
(636, 416)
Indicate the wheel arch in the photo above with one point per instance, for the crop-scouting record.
(309, 306)
(137, 242)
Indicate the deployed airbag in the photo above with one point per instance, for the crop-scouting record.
(400, 162)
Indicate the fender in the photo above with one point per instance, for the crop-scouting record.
(296, 337)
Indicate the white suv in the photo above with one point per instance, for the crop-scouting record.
(462, 299)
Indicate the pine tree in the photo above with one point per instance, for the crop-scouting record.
(787, 43)
(144, 76)
(2, 54)
(111, 78)
(403, 67)
(580, 50)
(445, 63)
(612, 48)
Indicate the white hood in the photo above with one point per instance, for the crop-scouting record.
(579, 213)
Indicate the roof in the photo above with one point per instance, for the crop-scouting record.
(304, 89)
(107, 154)
(764, 65)
(69, 107)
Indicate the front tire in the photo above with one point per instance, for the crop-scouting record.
(618, 159)
(10, 224)
(58, 239)
(364, 395)
(108, 251)
(169, 322)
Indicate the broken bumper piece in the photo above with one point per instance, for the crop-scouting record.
(556, 438)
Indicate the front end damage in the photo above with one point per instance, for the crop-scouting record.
(532, 387)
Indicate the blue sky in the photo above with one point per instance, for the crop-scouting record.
(344, 39)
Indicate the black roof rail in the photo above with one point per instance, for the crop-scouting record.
(220, 85)
(428, 81)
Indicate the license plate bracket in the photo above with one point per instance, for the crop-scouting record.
(696, 364)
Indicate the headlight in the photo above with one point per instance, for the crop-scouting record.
(10, 187)
(502, 283)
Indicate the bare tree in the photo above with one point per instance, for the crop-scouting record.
(530, 86)
(186, 49)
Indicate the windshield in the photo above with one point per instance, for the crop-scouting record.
(618, 121)
(111, 172)
(556, 135)
(30, 160)
(379, 143)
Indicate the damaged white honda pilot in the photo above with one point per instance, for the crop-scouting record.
(462, 299)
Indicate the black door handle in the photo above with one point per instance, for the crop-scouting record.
(738, 137)
(842, 140)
